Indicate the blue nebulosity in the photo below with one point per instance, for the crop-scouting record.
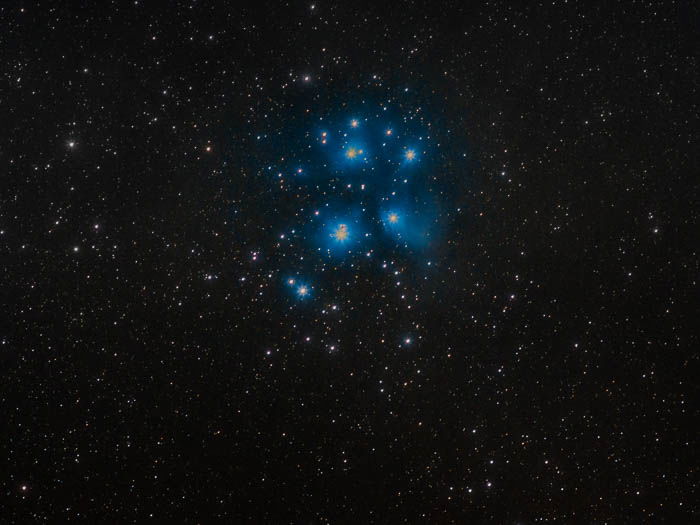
(339, 234)
(366, 182)
(407, 226)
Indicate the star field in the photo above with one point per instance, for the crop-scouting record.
(340, 262)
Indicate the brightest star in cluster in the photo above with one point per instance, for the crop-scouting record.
(352, 153)
(341, 233)
(303, 291)
(410, 154)
(393, 218)
(354, 123)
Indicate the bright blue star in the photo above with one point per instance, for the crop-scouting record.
(301, 290)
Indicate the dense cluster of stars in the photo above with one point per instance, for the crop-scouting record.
(369, 190)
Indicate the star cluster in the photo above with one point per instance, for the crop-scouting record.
(367, 196)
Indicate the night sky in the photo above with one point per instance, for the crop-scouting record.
(347, 262)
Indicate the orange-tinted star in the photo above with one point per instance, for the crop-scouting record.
(341, 233)
(353, 153)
